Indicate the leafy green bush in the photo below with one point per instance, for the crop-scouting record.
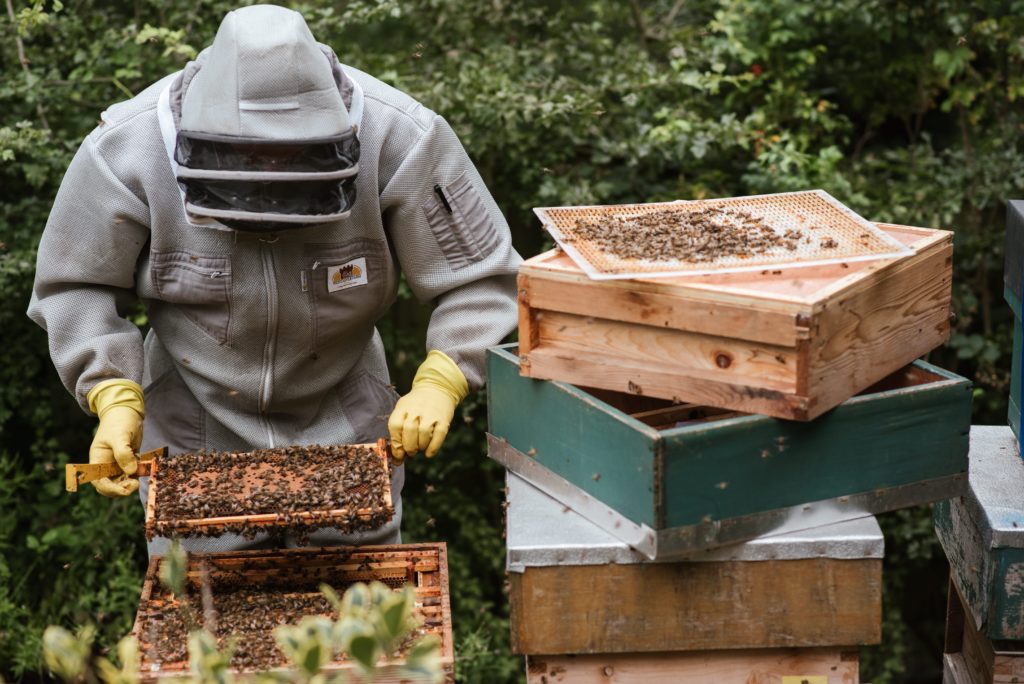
(906, 111)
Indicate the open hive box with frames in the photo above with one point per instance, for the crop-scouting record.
(787, 340)
(255, 591)
(346, 487)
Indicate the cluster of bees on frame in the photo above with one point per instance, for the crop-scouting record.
(688, 235)
(250, 597)
(305, 487)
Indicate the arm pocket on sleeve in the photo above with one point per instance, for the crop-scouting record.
(461, 222)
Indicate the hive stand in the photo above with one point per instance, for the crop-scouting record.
(584, 605)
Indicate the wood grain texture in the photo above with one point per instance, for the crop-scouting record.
(774, 666)
(527, 320)
(657, 380)
(880, 325)
(971, 656)
(701, 356)
(955, 671)
(815, 335)
(696, 606)
(676, 311)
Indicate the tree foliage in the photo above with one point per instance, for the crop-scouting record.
(907, 112)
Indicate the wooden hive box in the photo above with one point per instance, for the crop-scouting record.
(675, 478)
(1013, 265)
(970, 656)
(299, 572)
(789, 343)
(1016, 367)
(785, 665)
(982, 534)
(576, 589)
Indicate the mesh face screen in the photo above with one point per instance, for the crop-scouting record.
(788, 229)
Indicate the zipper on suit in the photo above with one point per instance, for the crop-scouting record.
(269, 347)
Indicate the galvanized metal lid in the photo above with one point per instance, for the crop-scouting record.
(995, 497)
(543, 532)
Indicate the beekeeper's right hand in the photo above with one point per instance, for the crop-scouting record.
(120, 407)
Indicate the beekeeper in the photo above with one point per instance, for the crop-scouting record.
(262, 203)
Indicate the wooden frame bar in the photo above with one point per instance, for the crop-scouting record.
(197, 525)
(783, 665)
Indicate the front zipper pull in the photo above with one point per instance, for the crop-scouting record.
(444, 200)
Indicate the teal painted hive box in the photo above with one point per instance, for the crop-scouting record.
(1013, 413)
(691, 477)
(982, 534)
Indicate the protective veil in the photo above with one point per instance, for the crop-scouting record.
(264, 339)
(264, 140)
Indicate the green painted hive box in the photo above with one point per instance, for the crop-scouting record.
(982, 534)
(691, 477)
(1013, 413)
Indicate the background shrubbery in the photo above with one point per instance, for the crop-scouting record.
(906, 111)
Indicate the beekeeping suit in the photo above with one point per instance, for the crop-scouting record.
(261, 203)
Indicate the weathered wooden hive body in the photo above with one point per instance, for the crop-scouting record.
(681, 478)
(982, 534)
(583, 602)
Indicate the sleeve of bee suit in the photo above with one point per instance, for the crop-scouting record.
(85, 274)
(454, 247)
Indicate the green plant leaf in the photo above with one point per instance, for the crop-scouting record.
(66, 654)
(364, 650)
(394, 617)
(174, 569)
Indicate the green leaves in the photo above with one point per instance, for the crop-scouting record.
(67, 655)
(208, 663)
(129, 656)
(174, 569)
(373, 622)
(308, 645)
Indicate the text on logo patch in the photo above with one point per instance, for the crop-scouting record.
(344, 276)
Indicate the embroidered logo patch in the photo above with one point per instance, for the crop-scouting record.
(351, 274)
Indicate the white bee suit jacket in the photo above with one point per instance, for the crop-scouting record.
(268, 340)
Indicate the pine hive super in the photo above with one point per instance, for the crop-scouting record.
(789, 343)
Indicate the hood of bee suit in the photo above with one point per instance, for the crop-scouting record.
(264, 140)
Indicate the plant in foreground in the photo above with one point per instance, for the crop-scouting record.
(373, 621)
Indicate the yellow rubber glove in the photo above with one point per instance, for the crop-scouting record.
(120, 407)
(421, 418)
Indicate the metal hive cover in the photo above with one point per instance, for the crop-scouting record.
(818, 229)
